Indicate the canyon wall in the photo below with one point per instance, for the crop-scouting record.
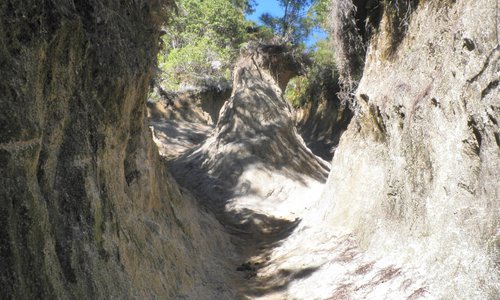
(416, 175)
(254, 150)
(323, 119)
(87, 209)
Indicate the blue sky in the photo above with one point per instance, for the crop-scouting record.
(272, 7)
(263, 6)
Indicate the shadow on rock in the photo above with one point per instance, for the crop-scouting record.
(250, 167)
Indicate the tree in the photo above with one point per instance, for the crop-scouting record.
(321, 77)
(294, 26)
(319, 13)
(201, 41)
(245, 5)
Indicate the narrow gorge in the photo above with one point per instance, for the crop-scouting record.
(385, 186)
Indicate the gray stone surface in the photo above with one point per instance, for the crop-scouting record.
(87, 210)
(416, 175)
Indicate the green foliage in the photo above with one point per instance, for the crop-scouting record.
(303, 89)
(245, 5)
(323, 54)
(320, 77)
(202, 37)
(299, 19)
(319, 12)
(296, 90)
(185, 64)
(294, 26)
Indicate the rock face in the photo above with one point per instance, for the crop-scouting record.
(86, 208)
(255, 172)
(255, 151)
(416, 175)
(323, 119)
(410, 209)
(197, 105)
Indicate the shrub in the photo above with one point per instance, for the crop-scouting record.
(321, 77)
(202, 39)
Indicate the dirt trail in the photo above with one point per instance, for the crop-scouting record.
(255, 173)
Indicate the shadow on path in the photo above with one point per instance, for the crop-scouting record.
(250, 165)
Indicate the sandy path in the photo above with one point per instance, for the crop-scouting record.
(284, 253)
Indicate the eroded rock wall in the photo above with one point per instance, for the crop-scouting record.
(87, 209)
(416, 174)
(254, 151)
(198, 105)
(323, 119)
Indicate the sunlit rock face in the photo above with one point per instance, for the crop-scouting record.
(416, 175)
(254, 158)
(87, 210)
